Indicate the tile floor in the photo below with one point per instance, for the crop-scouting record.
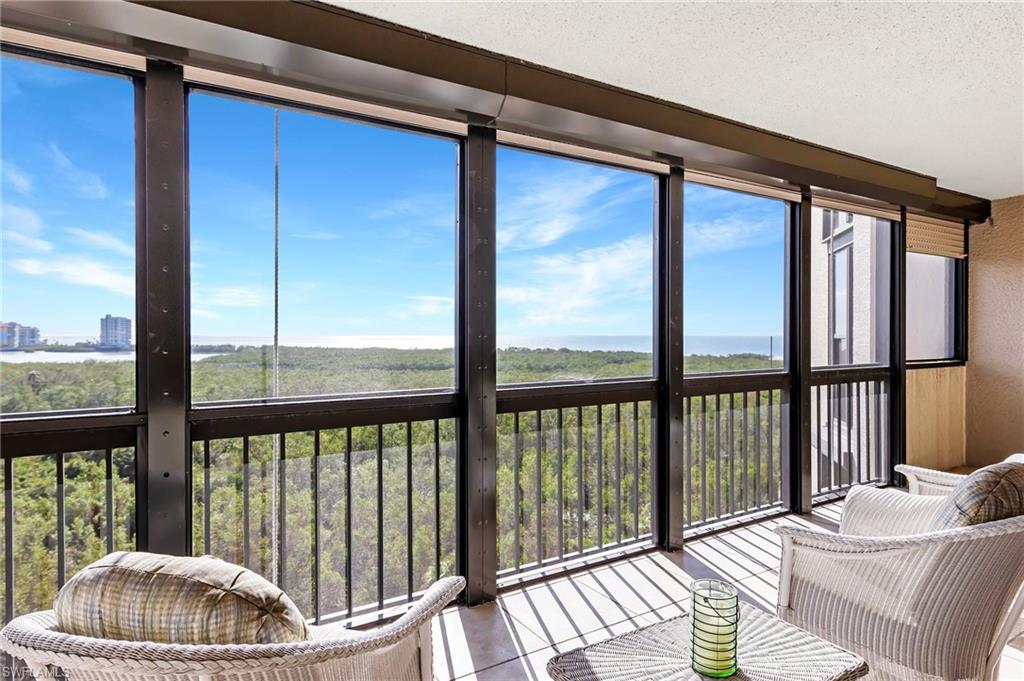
(513, 638)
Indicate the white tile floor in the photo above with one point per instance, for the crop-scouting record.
(514, 638)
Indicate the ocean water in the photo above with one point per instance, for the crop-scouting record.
(692, 345)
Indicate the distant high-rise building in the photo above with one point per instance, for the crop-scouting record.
(115, 332)
(14, 335)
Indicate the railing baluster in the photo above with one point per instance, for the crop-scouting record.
(108, 463)
(636, 470)
(773, 489)
(600, 476)
(688, 459)
(380, 516)
(757, 449)
(818, 427)
(829, 396)
(878, 387)
(867, 429)
(579, 477)
(516, 492)
(746, 460)
(282, 515)
(704, 458)
(206, 498)
(8, 538)
(538, 509)
(314, 471)
(561, 482)
(718, 456)
(437, 499)
(859, 460)
(61, 521)
(408, 510)
(348, 520)
(245, 503)
(732, 454)
(618, 472)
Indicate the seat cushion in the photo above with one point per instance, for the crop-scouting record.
(991, 493)
(135, 596)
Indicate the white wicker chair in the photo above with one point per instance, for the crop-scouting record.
(927, 482)
(398, 651)
(915, 604)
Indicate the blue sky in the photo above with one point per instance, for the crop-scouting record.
(367, 226)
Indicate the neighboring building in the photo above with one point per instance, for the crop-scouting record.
(14, 335)
(115, 332)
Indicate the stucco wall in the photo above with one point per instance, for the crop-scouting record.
(995, 367)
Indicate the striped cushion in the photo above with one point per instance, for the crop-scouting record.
(991, 493)
(167, 599)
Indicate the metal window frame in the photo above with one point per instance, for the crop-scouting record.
(164, 399)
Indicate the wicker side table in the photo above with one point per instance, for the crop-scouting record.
(769, 650)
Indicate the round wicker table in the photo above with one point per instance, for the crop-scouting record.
(769, 650)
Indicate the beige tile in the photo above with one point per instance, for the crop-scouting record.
(641, 585)
(466, 639)
(564, 608)
(760, 591)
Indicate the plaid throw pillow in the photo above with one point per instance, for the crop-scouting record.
(991, 493)
(168, 599)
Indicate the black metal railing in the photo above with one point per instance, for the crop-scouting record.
(349, 521)
(61, 511)
(572, 482)
(849, 432)
(733, 455)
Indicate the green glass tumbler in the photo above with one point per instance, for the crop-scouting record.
(714, 627)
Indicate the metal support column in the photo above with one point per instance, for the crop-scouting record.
(166, 443)
(796, 425)
(898, 348)
(669, 474)
(477, 465)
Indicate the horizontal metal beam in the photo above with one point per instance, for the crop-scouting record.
(724, 383)
(212, 423)
(54, 422)
(534, 397)
(89, 438)
(308, 45)
(852, 374)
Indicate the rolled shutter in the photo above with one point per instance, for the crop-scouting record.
(933, 237)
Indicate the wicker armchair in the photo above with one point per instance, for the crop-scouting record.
(398, 651)
(915, 604)
(927, 482)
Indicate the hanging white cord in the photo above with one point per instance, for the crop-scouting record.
(277, 251)
(275, 467)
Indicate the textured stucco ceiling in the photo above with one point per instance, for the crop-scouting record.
(932, 87)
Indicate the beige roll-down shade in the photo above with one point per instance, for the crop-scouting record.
(933, 237)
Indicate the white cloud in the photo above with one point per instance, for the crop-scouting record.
(583, 287)
(23, 227)
(204, 313)
(107, 242)
(431, 209)
(17, 178)
(426, 306)
(729, 233)
(79, 271)
(228, 296)
(87, 184)
(548, 205)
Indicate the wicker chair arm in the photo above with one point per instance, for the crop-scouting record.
(35, 638)
(887, 512)
(927, 482)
